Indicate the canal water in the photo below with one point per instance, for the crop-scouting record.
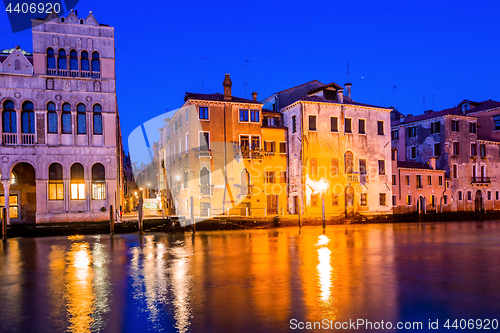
(271, 280)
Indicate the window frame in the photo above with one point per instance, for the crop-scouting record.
(208, 113)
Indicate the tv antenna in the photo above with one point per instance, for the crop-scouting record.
(245, 81)
(394, 94)
(202, 74)
(347, 72)
(423, 98)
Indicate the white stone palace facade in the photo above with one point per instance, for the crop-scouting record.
(60, 136)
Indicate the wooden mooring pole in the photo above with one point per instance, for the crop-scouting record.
(4, 223)
(111, 221)
(193, 222)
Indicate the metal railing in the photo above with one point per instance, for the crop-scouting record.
(206, 189)
(481, 180)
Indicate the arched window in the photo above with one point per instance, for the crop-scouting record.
(56, 186)
(81, 21)
(205, 181)
(95, 62)
(66, 118)
(51, 118)
(17, 65)
(348, 162)
(98, 182)
(85, 66)
(77, 182)
(51, 59)
(97, 119)
(61, 59)
(9, 124)
(73, 60)
(28, 118)
(81, 121)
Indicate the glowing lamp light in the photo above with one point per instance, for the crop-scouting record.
(323, 185)
(178, 177)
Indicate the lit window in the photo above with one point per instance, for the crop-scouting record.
(77, 182)
(98, 182)
(383, 201)
(269, 177)
(363, 200)
(56, 186)
(314, 200)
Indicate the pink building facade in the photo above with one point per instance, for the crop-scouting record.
(60, 140)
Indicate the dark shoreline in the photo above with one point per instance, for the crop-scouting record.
(231, 223)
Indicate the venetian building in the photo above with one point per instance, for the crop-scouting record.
(338, 151)
(60, 140)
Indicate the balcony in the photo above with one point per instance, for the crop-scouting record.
(206, 189)
(244, 190)
(9, 138)
(28, 139)
(204, 153)
(251, 154)
(480, 180)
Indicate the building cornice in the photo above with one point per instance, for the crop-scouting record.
(435, 118)
(338, 104)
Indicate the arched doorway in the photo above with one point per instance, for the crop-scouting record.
(22, 194)
(421, 205)
(478, 202)
(349, 200)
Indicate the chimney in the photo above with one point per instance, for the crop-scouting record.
(227, 88)
(432, 163)
(254, 96)
(340, 96)
(402, 118)
(348, 89)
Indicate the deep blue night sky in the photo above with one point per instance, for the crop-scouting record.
(448, 49)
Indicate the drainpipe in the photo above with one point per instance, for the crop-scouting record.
(287, 167)
(225, 165)
(302, 156)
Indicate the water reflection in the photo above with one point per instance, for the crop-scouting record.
(248, 281)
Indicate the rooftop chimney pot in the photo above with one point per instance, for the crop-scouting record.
(227, 88)
(254, 96)
(348, 89)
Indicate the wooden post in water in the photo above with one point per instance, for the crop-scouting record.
(111, 221)
(300, 221)
(323, 209)
(4, 223)
(141, 212)
(193, 222)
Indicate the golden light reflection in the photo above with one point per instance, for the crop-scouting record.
(324, 268)
(181, 286)
(79, 291)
